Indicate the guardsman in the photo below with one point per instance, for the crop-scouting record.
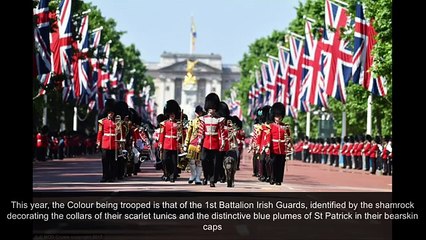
(387, 156)
(190, 146)
(241, 136)
(223, 111)
(122, 130)
(156, 138)
(254, 146)
(42, 143)
(210, 131)
(366, 150)
(106, 142)
(280, 143)
(168, 141)
(265, 166)
(374, 153)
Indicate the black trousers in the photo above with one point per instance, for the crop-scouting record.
(278, 163)
(208, 159)
(170, 163)
(109, 165)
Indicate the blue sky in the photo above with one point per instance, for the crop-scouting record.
(225, 27)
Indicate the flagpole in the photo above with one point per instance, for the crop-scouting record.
(344, 121)
(369, 113)
(308, 123)
(45, 110)
(74, 126)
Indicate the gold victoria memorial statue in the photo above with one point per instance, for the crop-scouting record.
(190, 78)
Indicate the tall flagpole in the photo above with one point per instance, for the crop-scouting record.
(308, 123)
(344, 122)
(45, 110)
(192, 36)
(74, 125)
(369, 113)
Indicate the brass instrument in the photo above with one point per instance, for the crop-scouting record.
(118, 130)
(288, 145)
(182, 160)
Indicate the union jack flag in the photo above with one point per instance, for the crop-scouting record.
(61, 44)
(363, 58)
(313, 78)
(338, 55)
(267, 82)
(282, 81)
(295, 73)
(41, 38)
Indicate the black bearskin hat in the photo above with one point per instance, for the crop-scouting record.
(122, 109)
(351, 139)
(332, 140)
(378, 139)
(211, 101)
(387, 138)
(237, 122)
(109, 106)
(265, 114)
(345, 139)
(161, 117)
(44, 129)
(277, 109)
(368, 137)
(361, 138)
(199, 110)
(134, 116)
(172, 107)
(223, 110)
(338, 140)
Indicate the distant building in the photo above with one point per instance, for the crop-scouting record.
(212, 76)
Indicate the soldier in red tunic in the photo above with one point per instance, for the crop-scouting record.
(222, 111)
(210, 131)
(42, 143)
(106, 142)
(265, 164)
(279, 142)
(168, 140)
(241, 136)
(254, 146)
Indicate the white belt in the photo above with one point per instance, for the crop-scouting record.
(278, 140)
(109, 134)
(170, 136)
(211, 133)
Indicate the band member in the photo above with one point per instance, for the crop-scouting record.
(156, 138)
(122, 130)
(168, 142)
(190, 146)
(387, 156)
(241, 136)
(265, 167)
(211, 127)
(106, 142)
(280, 143)
(256, 134)
(223, 111)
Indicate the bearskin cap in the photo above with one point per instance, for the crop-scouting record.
(211, 101)
(378, 139)
(161, 117)
(277, 109)
(44, 129)
(199, 110)
(121, 108)
(306, 138)
(338, 140)
(345, 139)
(361, 138)
(332, 140)
(388, 138)
(108, 107)
(265, 114)
(237, 122)
(172, 107)
(134, 116)
(223, 110)
(368, 137)
(351, 139)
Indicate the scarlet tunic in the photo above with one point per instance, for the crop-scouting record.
(168, 135)
(210, 130)
(42, 140)
(106, 134)
(279, 137)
